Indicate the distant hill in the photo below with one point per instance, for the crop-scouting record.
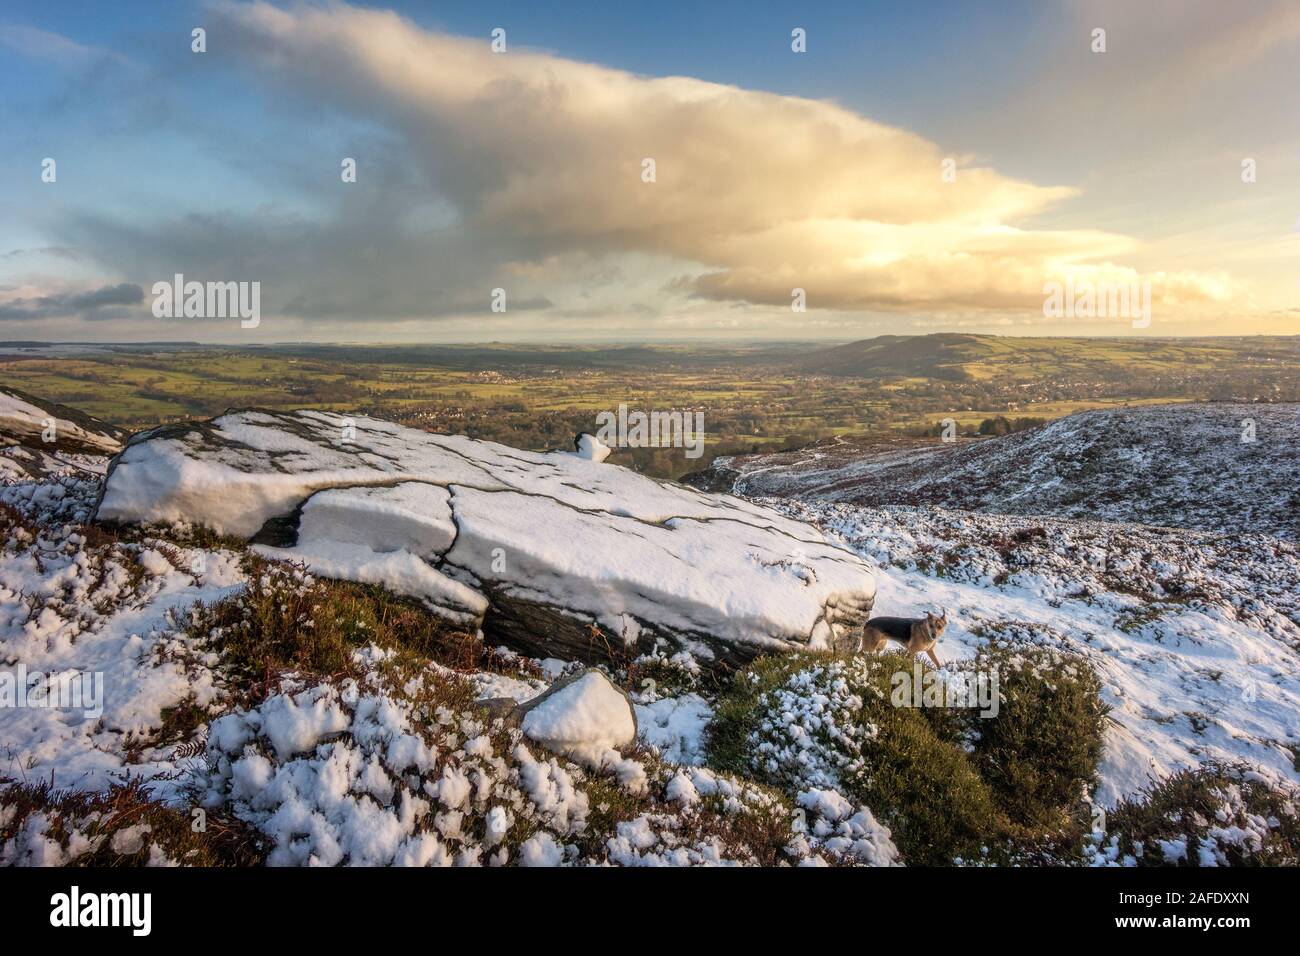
(1169, 465)
(958, 356)
(941, 356)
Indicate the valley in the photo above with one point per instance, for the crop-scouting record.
(753, 397)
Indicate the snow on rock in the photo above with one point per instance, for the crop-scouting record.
(583, 717)
(556, 554)
(675, 726)
(591, 448)
(39, 439)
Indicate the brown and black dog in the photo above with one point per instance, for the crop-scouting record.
(918, 635)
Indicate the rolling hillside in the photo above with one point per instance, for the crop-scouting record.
(378, 688)
(1182, 466)
(959, 357)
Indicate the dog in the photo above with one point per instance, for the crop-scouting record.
(918, 635)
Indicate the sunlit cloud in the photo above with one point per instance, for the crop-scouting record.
(754, 193)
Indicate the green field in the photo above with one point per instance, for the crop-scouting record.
(752, 397)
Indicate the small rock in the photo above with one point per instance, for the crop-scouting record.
(584, 716)
(501, 708)
(591, 447)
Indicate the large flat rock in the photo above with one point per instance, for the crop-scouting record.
(553, 553)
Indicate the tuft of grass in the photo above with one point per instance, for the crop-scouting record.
(288, 620)
(179, 723)
(659, 675)
(188, 535)
(14, 522)
(760, 831)
(125, 826)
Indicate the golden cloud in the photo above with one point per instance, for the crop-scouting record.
(755, 193)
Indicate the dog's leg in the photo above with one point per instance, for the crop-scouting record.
(934, 657)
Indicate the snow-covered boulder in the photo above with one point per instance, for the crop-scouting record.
(40, 439)
(557, 554)
(582, 716)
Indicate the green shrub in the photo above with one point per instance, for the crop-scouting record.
(736, 711)
(823, 721)
(1042, 748)
(951, 785)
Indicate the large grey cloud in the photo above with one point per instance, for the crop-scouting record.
(95, 304)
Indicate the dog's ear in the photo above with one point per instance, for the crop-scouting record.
(943, 617)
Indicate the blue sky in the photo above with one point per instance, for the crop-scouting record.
(1125, 166)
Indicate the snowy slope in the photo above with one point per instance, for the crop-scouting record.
(355, 771)
(1171, 465)
(1195, 636)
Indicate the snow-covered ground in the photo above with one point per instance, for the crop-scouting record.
(1212, 466)
(1196, 637)
(366, 771)
(70, 609)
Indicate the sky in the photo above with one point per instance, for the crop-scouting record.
(643, 172)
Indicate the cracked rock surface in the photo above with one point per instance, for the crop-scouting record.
(552, 553)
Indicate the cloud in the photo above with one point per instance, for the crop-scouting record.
(100, 303)
(756, 193)
(58, 252)
(524, 171)
(43, 44)
(1170, 47)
